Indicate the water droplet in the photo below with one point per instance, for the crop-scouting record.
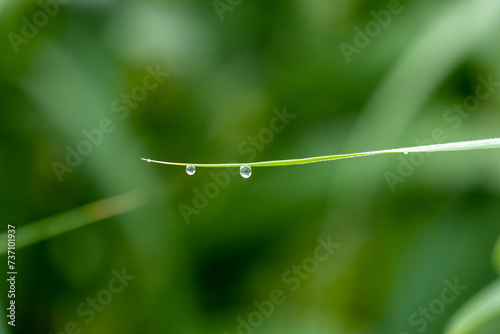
(190, 169)
(406, 152)
(245, 171)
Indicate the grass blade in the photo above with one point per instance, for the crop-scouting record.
(478, 311)
(73, 219)
(456, 146)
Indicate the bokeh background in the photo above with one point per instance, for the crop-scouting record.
(405, 224)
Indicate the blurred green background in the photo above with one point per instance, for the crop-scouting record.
(203, 81)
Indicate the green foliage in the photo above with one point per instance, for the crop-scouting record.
(480, 315)
(458, 146)
(99, 84)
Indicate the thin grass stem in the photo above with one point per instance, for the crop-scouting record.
(456, 146)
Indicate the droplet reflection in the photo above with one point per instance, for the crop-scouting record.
(245, 171)
(190, 169)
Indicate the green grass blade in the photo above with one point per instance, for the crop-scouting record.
(73, 219)
(456, 146)
(496, 256)
(477, 312)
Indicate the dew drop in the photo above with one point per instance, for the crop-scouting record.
(406, 152)
(245, 171)
(190, 169)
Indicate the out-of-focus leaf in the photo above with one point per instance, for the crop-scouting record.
(496, 256)
(480, 310)
(75, 218)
